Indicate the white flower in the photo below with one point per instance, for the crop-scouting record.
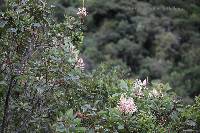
(72, 50)
(139, 86)
(82, 12)
(80, 64)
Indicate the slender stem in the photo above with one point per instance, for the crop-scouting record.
(83, 3)
(126, 125)
(6, 106)
(124, 118)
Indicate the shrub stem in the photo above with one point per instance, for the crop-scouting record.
(6, 105)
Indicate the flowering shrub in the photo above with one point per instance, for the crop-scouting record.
(114, 108)
(43, 87)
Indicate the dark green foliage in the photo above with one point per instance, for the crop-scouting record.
(191, 116)
(35, 61)
(155, 38)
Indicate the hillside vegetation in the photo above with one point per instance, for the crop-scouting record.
(155, 38)
(64, 71)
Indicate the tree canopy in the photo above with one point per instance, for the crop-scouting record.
(159, 39)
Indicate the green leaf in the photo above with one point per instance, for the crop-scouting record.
(60, 128)
(70, 113)
(13, 30)
(167, 87)
(3, 23)
(81, 129)
(37, 25)
(120, 127)
(2, 83)
(102, 112)
(123, 84)
(77, 121)
(191, 123)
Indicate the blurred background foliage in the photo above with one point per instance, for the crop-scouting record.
(154, 38)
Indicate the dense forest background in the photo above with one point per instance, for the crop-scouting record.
(155, 38)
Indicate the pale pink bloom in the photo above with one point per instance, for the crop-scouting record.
(80, 64)
(127, 105)
(82, 12)
(140, 84)
(145, 82)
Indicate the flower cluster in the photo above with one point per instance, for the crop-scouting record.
(127, 105)
(138, 86)
(80, 64)
(82, 12)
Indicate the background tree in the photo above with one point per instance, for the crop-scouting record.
(159, 39)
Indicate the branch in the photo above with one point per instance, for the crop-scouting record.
(6, 106)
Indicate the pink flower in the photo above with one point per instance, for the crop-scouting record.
(82, 12)
(140, 84)
(80, 64)
(145, 82)
(127, 105)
